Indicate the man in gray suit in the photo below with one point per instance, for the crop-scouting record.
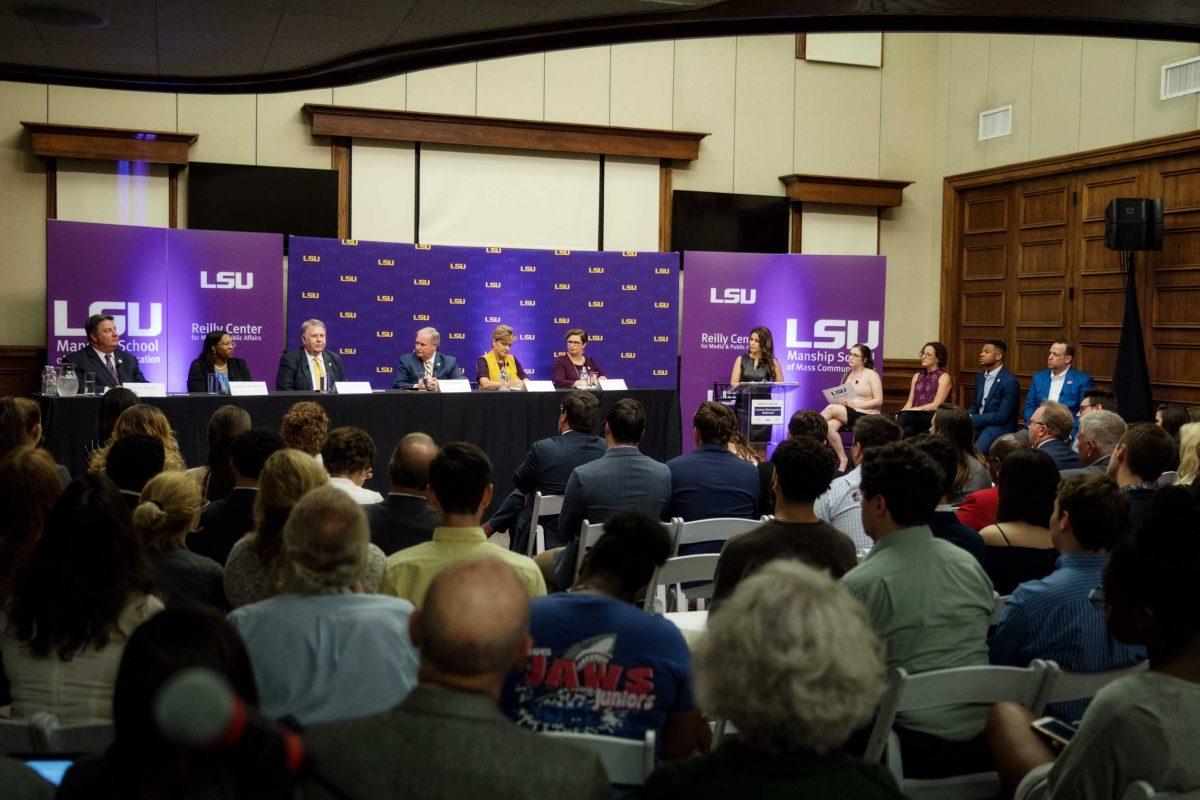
(623, 479)
(1099, 434)
(448, 739)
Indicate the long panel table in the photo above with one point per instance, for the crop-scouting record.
(504, 424)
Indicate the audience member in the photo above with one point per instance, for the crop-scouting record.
(740, 446)
(21, 426)
(1049, 430)
(547, 468)
(1100, 432)
(929, 388)
(168, 512)
(216, 477)
(839, 505)
(598, 623)
(944, 523)
(22, 782)
(405, 518)
(132, 461)
(1060, 382)
(349, 456)
(112, 404)
(31, 488)
(710, 481)
(953, 423)
(1096, 399)
(997, 395)
(141, 763)
(803, 471)
(321, 650)
(1189, 454)
(1018, 544)
(1145, 452)
(928, 600)
(225, 521)
(1143, 726)
(87, 587)
(978, 510)
(623, 479)
(460, 484)
(806, 424)
(1052, 618)
(1171, 417)
(304, 428)
(142, 418)
(448, 737)
(792, 663)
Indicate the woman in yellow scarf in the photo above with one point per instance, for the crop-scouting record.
(499, 369)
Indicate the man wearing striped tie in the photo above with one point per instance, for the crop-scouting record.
(425, 366)
(104, 357)
(304, 369)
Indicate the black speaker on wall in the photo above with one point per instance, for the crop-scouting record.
(1133, 223)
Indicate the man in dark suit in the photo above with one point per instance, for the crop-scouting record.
(405, 517)
(997, 395)
(1061, 382)
(547, 468)
(1049, 428)
(301, 370)
(104, 357)
(623, 479)
(1100, 432)
(448, 738)
(1145, 452)
(425, 366)
(229, 519)
(710, 481)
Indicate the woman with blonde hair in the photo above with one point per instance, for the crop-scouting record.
(146, 419)
(498, 368)
(1189, 454)
(169, 509)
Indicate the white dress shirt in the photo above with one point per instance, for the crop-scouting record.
(312, 370)
(1057, 382)
(838, 507)
(364, 497)
(989, 379)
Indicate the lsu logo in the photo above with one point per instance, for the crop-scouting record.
(227, 280)
(562, 320)
(662, 338)
(595, 270)
(493, 250)
(562, 287)
(528, 268)
(133, 315)
(595, 304)
(660, 373)
(558, 353)
(311, 295)
(628, 355)
(562, 252)
(386, 262)
(348, 315)
(628, 287)
(629, 253)
(741, 297)
(420, 317)
(832, 334)
(350, 242)
(348, 351)
(492, 285)
(311, 259)
(348, 278)
(423, 246)
(629, 320)
(528, 303)
(662, 304)
(383, 334)
(457, 336)
(458, 301)
(491, 319)
(662, 270)
(420, 281)
(458, 266)
(528, 337)
(596, 338)
(384, 298)
(384, 370)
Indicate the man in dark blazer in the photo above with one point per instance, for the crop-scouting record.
(225, 521)
(448, 738)
(425, 366)
(710, 481)
(299, 369)
(1100, 432)
(104, 357)
(997, 397)
(547, 468)
(405, 518)
(1048, 431)
(623, 479)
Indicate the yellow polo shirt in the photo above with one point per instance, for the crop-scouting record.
(409, 572)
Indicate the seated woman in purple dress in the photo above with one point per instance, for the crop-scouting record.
(929, 389)
(574, 370)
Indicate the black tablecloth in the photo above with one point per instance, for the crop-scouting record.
(504, 424)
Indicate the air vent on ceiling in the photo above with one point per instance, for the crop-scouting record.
(995, 122)
(1180, 78)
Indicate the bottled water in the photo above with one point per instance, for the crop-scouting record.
(504, 379)
(50, 381)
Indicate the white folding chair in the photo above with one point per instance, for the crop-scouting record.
(16, 736)
(627, 761)
(998, 603)
(680, 569)
(699, 531)
(1063, 687)
(544, 505)
(947, 687)
(51, 736)
(589, 534)
(1141, 790)
(767, 518)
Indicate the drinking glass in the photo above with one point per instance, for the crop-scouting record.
(89, 383)
(214, 384)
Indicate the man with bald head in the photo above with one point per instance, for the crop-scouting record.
(425, 366)
(978, 509)
(405, 518)
(448, 739)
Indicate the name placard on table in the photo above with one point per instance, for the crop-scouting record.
(147, 389)
(539, 386)
(353, 387)
(456, 386)
(247, 388)
(617, 384)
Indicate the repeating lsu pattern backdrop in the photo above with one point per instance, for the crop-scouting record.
(374, 296)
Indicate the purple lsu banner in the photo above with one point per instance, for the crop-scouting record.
(815, 306)
(374, 296)
(166, 289)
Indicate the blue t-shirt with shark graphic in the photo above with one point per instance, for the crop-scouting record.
(599, 665)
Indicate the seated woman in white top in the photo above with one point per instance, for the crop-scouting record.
(87, 588)
(867, 399)
(348, 454)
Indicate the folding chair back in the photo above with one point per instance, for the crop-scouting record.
(998, 603)
(79, 737)
(681, 569)
(627, 761)
(711, 530)
(16, 736)
(544, 505)
(1140, 790)
(1063, 687)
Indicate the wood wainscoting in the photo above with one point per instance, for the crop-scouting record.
(21, 369)
(897, 377)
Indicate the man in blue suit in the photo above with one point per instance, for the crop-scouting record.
(104, 357)
(547, 468)
(425, 366)
(301, 370)
(710, 481)
(997, 394)
(1060, 382)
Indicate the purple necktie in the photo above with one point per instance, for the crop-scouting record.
(112, 370)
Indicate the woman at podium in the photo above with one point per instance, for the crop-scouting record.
(867, 398)
(757, 365)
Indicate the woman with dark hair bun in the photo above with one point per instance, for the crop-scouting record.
(1018, 544)
(216, 358)
(929, 389)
